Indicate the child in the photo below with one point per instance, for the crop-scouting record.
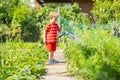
(50, 36)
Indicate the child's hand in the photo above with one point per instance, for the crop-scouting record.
(44, 40)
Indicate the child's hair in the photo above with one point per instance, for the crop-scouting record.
(53, 14)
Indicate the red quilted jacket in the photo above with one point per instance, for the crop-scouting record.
(51, 32)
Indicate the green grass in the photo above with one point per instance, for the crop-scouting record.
(22, 61)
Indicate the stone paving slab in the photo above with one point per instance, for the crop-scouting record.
(54, 77)
(58, 68)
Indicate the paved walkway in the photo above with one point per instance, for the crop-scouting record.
(57, 71)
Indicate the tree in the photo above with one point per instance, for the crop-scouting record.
(6, 8)
(106, 11)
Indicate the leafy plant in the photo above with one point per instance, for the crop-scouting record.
(21, 60)
(96, 57)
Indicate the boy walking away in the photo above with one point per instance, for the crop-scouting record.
(50, 36)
